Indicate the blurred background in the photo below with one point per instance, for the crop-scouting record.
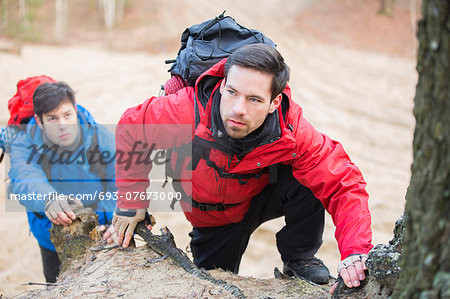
(352, 71)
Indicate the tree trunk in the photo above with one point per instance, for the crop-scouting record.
(426, 252)
(24, 17)
(120, 11)
(4, 15)
(386, 7)
(108, 10)
(61, 8)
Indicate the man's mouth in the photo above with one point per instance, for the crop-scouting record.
(236, 123)
(64, 136)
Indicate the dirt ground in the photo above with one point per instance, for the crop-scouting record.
(353, 72)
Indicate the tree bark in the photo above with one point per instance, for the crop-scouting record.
(426, 252)
(61, 8)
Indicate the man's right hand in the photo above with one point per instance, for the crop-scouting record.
(351, 270)
(125, 221)
(59, 212)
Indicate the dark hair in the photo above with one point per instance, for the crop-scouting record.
(49, 96)
(263, 58)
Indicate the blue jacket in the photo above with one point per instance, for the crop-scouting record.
(73, 179)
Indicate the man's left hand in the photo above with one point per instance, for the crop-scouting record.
(58, 211)
(351, 270)
(109, 234)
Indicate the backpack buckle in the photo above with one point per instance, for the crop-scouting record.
(221, 207)
(204, 207)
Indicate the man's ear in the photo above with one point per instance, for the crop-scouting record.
(38, 121)
(222, 85)
(275, 103)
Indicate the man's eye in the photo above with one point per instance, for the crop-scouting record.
(231, 92)
(255, 100)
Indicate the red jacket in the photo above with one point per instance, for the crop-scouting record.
(318, 162)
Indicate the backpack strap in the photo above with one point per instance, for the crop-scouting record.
(242, 178)
(272, 170)
(273, 174)
(211, 23)
(206, 207)
(174, 173)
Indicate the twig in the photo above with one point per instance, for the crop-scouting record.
(152, 261)
(109, 286)
(105, 247)
(201, 294)
(48, 284)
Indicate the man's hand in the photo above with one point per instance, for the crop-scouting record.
(59, 211)
(351, 270)
(109, 234)
(124, 222)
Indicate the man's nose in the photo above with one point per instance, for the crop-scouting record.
(239, 106)
(63, 124)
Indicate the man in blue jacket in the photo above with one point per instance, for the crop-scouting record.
(53, 166)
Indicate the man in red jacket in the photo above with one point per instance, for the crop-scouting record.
(255, 158)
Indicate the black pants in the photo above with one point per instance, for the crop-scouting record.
(51, 264)
(223, 246)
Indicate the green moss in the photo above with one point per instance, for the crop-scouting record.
(73, 240)
(300, 288)
(442, 284)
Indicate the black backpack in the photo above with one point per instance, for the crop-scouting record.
(202, 46)
(205, 44)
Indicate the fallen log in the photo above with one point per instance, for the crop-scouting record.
(92, 268)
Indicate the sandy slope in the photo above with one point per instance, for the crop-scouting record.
(363, 99)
